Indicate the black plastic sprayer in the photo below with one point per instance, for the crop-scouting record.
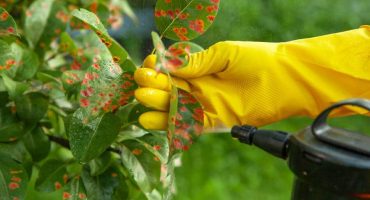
(328, 163)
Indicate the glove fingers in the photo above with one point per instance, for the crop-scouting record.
(154, 120)
(153, 98)
(213, 60)
(147, 77)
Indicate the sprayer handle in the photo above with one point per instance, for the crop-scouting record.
(341, 137)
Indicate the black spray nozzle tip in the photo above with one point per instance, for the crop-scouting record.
(244, 133)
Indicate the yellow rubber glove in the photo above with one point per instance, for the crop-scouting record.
(258, 83)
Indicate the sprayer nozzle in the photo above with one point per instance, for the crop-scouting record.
(274, 142)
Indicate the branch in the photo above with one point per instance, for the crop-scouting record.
(65, 143)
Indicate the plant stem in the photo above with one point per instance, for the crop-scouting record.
(65, 143)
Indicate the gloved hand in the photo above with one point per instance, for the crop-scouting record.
(259, 83)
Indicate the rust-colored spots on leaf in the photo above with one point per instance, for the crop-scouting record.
(157, 147)
(4, 16)
(81, 195)
(84, 103)
(65, 178)
(114, 174)
(116, 59)
(67, 195)
(137, 152)
(197, 25)
(16, 179)
(199, 6)
(62, 16)
(57, 185)
(13, 185)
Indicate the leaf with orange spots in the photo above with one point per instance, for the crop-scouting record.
(105, 88)
(175, 57)
(185, 120)
(13, 178)
(52, 175)
(67, 44)
(45, 21)
(183, 20)
(74, 190)
(144, 158)
(72, 80)
(119, 54)
(7, 57)
(7, 24)
(88, 137)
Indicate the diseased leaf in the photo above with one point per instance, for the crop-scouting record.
(72, 80)
(37, 17)
(103, 186)
(52, 176)
(37, 144)
(7, 57)
(105, 88)
(176, 56)
(185, 19)
(74, 190)
(7, 24)
(14, 88)
(67, 44)
(119, 54)
(56, 24)
(143, 165)
(185, 120)
(26, 63)
(31, 107)
(13, 178)
(90, 138)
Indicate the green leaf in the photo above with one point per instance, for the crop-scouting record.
(36, 21)
(11, 132)
(74, 190)
(90, 138)
(100, 164)
(143, 165)
(119, 54)
(105, 88)
(52, 176)
(185, 120)
(7, 57)
(56, 24)
(37, 144)
(15, 89)
(27, 63)
(126, 9)
(176, 56)
(31, 107)
(7, 24)
(103, 186)
(16, 150)
(72, 80)
(13, 179)
(67, 44)
(184, 19)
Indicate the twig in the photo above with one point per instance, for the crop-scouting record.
(65, 143)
